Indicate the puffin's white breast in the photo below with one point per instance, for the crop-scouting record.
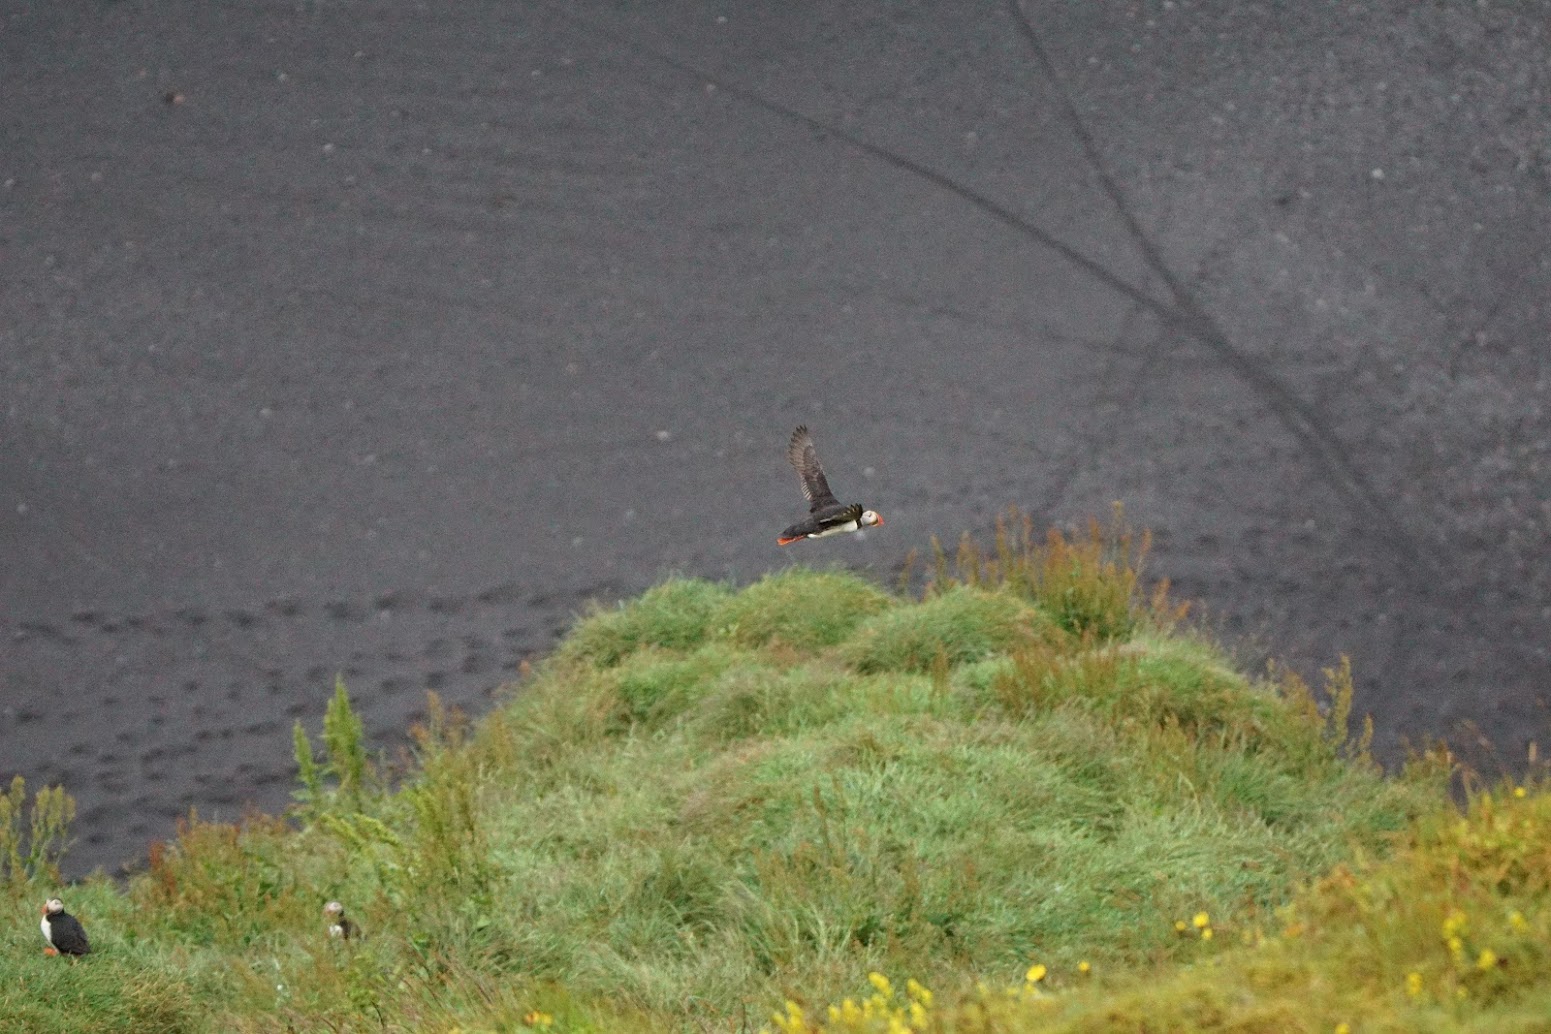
(836, 530)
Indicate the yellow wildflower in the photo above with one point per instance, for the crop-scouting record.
(1413, 983)
(1036, 973)
(1201, 921)
(1517, 921)
(1084, 968)
(1456, 948)
(1179, 926)
(881, 982)
(918, 993)
(1519, 791)
(1343, 1028)
(794, 1022)
(1486, 960)
(1206, 934)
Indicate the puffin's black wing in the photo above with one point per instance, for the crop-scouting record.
(805, 460)
(67, 935)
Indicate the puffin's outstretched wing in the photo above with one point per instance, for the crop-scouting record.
(805, 460)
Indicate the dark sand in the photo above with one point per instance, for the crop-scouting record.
(377, 338)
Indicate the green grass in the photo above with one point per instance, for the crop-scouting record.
(710, 802)
(1450, 932)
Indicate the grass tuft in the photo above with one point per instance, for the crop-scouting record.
(676, 615)
(801, 609)
(959, 625)
(1090, 582)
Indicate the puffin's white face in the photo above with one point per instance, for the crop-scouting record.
(870, 518)
(333, 909)
(54, 905)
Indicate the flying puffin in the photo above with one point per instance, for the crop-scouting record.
(62, 931)
(340, 925)
(826, 514)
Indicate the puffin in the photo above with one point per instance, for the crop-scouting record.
(62, 931)
(826, 514)
(340, 925)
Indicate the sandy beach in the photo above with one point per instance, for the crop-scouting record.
(377, 339)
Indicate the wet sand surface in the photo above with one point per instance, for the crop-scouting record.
(377, 338)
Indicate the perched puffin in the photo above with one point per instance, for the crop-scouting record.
(826, 514)
(62, 931)
(339, 924)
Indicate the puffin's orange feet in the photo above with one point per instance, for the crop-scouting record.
(50, 951)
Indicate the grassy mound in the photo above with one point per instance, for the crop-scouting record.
(709, 802)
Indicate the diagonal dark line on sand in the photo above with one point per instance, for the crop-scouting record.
(1090, 149)
(1183, 314)
(1001, 213)
(1303, 420)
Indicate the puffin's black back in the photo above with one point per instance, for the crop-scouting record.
(67, 934)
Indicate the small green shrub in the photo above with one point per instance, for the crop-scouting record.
(32, 842)
(676, 615)
(1090, 583)
(219, 882)
(344, 737)
(339, 783)
(804, 610)
(958, 626)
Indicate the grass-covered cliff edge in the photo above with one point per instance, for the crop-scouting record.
(1026, 801)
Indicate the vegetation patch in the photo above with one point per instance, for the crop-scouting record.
(958, 626)
(803, 609)
(1031, 795)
